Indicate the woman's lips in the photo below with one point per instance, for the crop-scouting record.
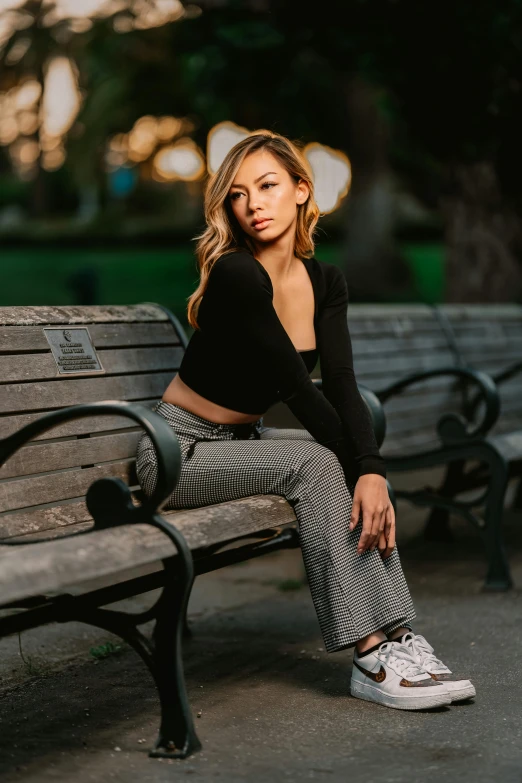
(262, 224)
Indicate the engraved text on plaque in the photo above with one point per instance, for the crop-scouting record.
(73, 350)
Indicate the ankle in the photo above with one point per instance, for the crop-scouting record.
(398, 633)
(371, 642)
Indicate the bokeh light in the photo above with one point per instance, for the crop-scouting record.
(332, 175)
(183, 160)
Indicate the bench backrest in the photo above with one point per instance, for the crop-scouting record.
(43, 486)
(489, 338)
(391, 341)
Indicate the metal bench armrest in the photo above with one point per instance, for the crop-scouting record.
(453, 427)
(160, 432)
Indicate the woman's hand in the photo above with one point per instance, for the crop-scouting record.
(378, 529)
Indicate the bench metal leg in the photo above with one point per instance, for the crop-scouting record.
(498, 576)
(517, 502)
(177, 736)
(437, 526)
(490, 523)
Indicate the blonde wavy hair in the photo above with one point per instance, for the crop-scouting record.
(223, 233)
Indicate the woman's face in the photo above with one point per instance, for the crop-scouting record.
(264, 197)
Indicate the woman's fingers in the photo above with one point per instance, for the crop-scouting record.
(389, 521)
(390, 538)
(356, 513)
(366, 536)
(379, 517)
(382, 543)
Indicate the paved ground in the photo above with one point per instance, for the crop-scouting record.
(274, 706)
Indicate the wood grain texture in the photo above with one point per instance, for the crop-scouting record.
(113, 335)
(52, 487)
(28, 522)
(509, 444)
(52, 567)
(18, 397)
(115, 361)
(70, 453)
(86, 314)
(91, 424)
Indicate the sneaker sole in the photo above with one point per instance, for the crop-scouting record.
(463, 693)
(369, 693)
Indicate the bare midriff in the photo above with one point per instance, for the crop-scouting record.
(178, 393)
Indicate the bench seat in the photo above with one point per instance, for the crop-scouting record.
(70, 561)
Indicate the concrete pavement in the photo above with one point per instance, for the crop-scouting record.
(274, 705)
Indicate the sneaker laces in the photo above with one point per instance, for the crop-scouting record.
(421, 648)
(400, 658)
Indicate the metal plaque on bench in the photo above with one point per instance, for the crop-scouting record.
(73, 350)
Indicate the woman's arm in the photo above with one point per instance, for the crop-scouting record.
(338, 378)
(371, 500)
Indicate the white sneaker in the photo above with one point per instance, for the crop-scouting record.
(424, 655)
(391, 676)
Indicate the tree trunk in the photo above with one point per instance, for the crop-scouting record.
(483, 238)
(374, 268)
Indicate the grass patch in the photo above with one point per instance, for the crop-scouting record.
(105, 650)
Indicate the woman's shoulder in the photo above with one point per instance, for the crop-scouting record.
(236, 264)
(329, 278)
(238, 272)
(325, 269)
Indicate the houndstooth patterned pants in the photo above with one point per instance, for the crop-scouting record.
(354, 595)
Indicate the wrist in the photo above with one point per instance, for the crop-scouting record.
(373, 465)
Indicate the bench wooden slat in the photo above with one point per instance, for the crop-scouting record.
(42, 366)
(52, 534)
(17, 397)
(27, 522)
(382, 344)
(91, 424)
(86, 314)
(112, 335)
(52, 487)
(509, 444)
(52, 567)
(465, 312)
(398, 365)
(70, 453)
(409, 447)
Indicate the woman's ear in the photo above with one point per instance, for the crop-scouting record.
(303, 191)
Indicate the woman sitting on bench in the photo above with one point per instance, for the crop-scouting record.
(264, 311)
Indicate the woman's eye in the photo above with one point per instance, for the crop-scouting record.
(234, 196)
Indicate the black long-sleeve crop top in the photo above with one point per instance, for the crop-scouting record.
(242, 358)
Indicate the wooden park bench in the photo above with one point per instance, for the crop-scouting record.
(450, 382)
(76, 533)
(77, 386)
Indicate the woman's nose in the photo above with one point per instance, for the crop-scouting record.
(254, 202)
